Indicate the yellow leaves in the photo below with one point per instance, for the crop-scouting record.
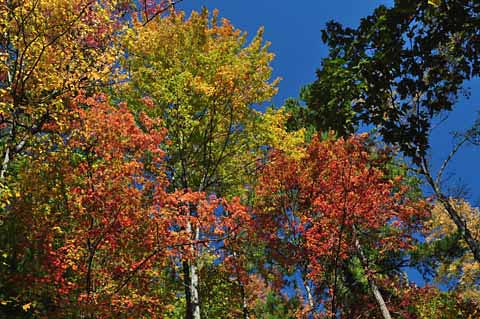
(441, 223)
(272, 127)
(434, 3)
(27, 306)
(63, 45)
(54, 43)
(472, 268)
(203, 87)
(215, 56)
(7, 194)
(204, 78)
(57, 230)
(464, 269)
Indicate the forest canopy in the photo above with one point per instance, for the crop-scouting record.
(140, 179)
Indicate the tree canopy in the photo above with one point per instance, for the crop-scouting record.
(139, 178)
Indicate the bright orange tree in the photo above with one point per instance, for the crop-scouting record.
(335, 212)
(90, 194)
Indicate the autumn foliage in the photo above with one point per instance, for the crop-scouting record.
(139, 180)
(335, 204)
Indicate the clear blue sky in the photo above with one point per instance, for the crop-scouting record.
(293, 28)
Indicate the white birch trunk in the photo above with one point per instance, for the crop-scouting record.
(191, 272)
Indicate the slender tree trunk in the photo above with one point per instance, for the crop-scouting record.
(244, 301)
(194, 290)
(5, 161)
(245, 312)
(379, 298)
(309, 296)
(191, 282)
(452, 212)
(462, 226)
(376, 292)
(188, 294)
(9, 153)
(310, 301)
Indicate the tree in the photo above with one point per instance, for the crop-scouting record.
(213, 144)
(49, 50)
(201, 77)
(333, 212)
(87, 215)
(104, 226)
(138, 179)
(401, 70)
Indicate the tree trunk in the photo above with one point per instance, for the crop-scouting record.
(244, 302)
(245, 312)
(452, 212)
(194, 291)
(191, 282)
(9, 153)
(376, 292)
(462, 226)
(379, 298)
(309, 295)
(6, 159)
(188, 293)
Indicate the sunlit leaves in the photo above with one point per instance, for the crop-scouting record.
(91, 189)
(315, 212)
(202, 77)
(462, 270)
(134, 159)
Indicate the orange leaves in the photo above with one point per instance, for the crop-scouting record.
(217, 220)
(98, 220)
(115, 133)
(332, 214)
(338, 192)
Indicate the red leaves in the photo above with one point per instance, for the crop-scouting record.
(105, 165)
(217, 220)
(116, 225)
(339, 192)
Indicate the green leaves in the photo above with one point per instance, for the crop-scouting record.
(202, 78)
(397, 71)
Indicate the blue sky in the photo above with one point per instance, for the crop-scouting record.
(293, 28)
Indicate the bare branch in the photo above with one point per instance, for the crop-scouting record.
(448, 159)
(161, 10)
(454, 214)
